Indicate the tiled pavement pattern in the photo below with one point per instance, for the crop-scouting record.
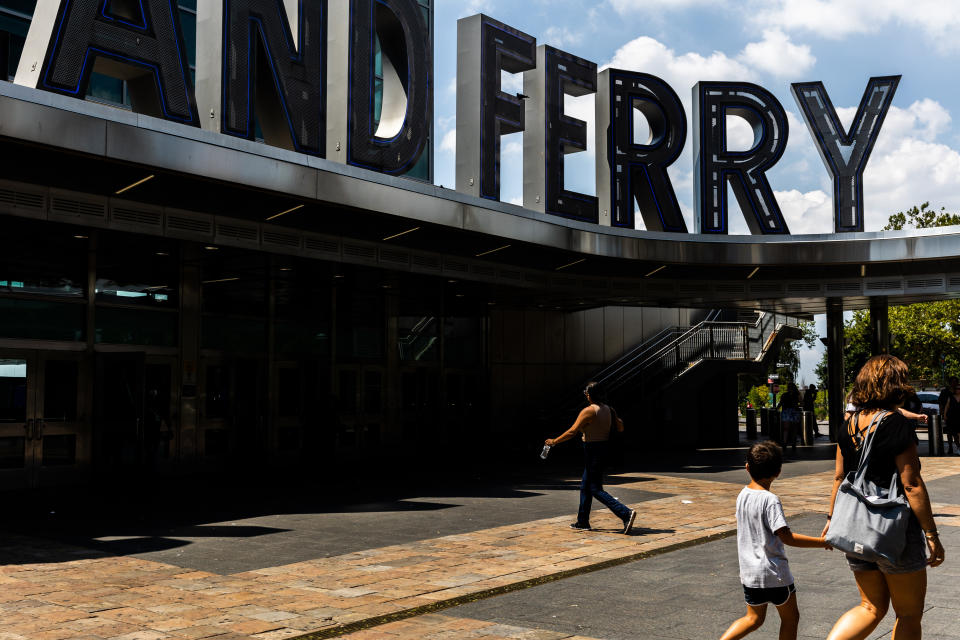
(47, 595)
(437, 626)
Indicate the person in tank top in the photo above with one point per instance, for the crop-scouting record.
(594, 425)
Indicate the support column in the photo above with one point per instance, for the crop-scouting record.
(879, 326)
(188, 442)
(835, 393)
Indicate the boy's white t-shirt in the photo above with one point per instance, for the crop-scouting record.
(763, 561)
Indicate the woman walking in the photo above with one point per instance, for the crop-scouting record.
(594, 425)
(790, 416)
(881, 386)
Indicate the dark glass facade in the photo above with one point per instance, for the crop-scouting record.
(113, 336)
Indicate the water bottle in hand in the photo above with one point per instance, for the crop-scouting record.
(545, 452)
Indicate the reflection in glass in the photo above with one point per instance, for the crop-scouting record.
(59, 451)
(13, 391)
(136, 326)
(60, 390)
(418, 338)
(13, 452)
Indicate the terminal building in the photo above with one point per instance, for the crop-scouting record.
(178, 299)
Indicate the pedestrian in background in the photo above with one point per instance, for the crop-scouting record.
(594, 425)
(951, 419)
(880, 388)
(946, 392)
(789, 406)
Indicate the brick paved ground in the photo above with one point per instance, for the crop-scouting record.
(52, 591)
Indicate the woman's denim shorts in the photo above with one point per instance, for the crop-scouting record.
(913, 558)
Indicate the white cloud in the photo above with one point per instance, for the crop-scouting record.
(473, 7)
(561, 37)
(924, 120)
(810, 212)
(777, 55)
(679, 71)
(629, 6)
(449, 142)
(511, 82)
(841, 18)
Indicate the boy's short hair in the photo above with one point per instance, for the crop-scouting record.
(765, 460)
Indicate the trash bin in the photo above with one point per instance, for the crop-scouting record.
(764, 421)
(751, 416)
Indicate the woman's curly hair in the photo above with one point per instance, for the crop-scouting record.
(881, 383)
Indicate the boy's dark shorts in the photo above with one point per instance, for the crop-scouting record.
(756, 596)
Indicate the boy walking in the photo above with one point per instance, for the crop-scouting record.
(762, 531)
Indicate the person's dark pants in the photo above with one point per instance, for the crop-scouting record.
(594, 457)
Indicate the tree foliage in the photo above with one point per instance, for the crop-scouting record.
(922, 217)
(925, 335)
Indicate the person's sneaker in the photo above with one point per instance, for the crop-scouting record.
(628, 523)
(579, 527)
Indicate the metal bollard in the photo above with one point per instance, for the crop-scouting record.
(775, 426)
(751, 416)
(806, 430)
(764, 421)
(935, 436)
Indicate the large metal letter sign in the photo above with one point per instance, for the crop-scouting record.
(256, 60)
(550, 134)
(141, 43)
(714, 165)
(631, 174)
(394, 144)
(484, 112)
(845, 154)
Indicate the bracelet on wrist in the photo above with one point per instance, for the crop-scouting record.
(829, 516)
(933, 533)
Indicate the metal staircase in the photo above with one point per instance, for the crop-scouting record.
(677, 351)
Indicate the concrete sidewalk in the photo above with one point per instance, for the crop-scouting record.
(56, 590)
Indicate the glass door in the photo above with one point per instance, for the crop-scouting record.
(44, 439)
(119, 417)
(360, 406)
(62, 446)
(233, 408)
(17, 430)
(289, 406)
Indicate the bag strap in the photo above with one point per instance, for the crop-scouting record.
(868, 446)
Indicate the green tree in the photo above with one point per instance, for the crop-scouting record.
(922, 217)
(925, 335)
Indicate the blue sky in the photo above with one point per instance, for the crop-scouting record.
(769, 42)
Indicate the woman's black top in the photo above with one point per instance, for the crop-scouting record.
(790, 400)
(893, 436)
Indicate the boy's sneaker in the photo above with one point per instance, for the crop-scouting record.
(628, 523)
(579, 527)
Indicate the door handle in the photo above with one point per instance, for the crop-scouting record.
(38, 429)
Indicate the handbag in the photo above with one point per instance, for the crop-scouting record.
(869, 521)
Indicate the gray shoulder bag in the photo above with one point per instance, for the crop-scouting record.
(869, 521)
